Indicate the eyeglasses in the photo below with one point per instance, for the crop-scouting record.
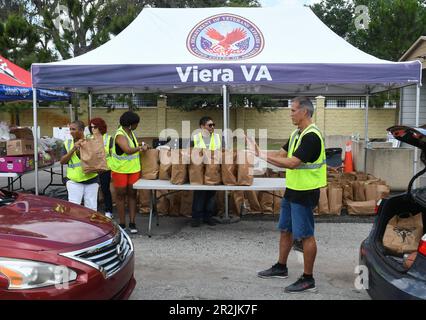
(94, 127)
(211, 125)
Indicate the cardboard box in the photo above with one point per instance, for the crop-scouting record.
(20, 147)
(22, 133)
(18, 164)
(3, 148)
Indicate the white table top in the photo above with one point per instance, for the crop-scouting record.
(9, 174)
(15, 175)
(259, 184)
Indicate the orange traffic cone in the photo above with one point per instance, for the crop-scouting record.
(349, 166)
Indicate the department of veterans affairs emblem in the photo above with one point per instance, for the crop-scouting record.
(225, 37)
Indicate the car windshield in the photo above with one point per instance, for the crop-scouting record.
(7, 197)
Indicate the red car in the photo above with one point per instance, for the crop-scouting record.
(53, 249)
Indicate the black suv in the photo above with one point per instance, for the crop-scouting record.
(387, 276)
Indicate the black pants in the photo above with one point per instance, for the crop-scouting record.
(105, 180)
(203, 205)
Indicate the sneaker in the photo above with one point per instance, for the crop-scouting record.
(276, 271)
(132, 228)
(298, 245)
(302, 285)
(122, 226)
(109, 215)
(209, 221)
(195, 223)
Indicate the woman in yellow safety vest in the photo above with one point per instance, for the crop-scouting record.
(79, 184)
(98, 127)
(126, 167)
(203, 204)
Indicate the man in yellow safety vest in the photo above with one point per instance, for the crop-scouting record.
(203, 203)
(306, 172)
(79, 184)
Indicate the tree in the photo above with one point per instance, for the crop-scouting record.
(394, 24)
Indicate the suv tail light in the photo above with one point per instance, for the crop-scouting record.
(376, 209)
(422, 246)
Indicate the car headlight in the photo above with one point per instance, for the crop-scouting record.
(27, 274)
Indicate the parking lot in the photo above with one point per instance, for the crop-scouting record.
(220, 262)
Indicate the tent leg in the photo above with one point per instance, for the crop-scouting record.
(90, 106)
(225, 94)
(367, 102)
(71, 111)
(416, 150)
(35, 133)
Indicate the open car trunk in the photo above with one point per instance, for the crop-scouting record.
(412, 202)
(401, 206)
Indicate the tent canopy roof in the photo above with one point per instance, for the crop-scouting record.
(15, 85)
(280, 50)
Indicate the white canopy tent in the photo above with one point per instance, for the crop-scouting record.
(283, 50)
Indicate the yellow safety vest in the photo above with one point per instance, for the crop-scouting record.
(215, 142)
(74, 170)
(307, 176)
(125, 163)
(107, 141)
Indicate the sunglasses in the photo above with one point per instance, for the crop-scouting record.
(211, 125)
(93, 127)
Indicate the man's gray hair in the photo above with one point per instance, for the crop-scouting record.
(80, 124)
(305, 103)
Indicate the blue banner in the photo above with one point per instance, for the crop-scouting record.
(9, 93)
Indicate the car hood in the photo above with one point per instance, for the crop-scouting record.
(42, 223)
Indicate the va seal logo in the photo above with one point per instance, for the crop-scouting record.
(225, 37)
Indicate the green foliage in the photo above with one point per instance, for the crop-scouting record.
(190, 102)
(394, 25)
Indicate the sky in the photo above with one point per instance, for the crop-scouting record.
(272, 3)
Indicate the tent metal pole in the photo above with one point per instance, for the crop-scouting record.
(367, 102)
(35, 133)
(90, 106)
(71, 111)
(416, 150)
(225, 136)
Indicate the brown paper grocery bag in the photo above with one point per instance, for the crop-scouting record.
(323, 207)
(371, 191)
(229, 168)
(402, 235)
(163, 203)
(180, 162)
(186, 203)
(144, 200)
(335, 199)
(150, 164)
(254, 205)
(383, 191)
(175, 200)
(358, 190)
(266, 201)
(165, 170)
(92, 156)
(196, 168)
(278, 196)
(361, 207)
(245, 161)
(348, 193)
(237, 202)
(212, 169)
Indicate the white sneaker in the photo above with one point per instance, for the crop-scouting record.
(109, 215)
(132, 228)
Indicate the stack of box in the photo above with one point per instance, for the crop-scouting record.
(19, 156)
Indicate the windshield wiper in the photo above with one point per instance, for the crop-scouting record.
(4, 201)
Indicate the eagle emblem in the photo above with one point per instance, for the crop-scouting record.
(225, 37)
